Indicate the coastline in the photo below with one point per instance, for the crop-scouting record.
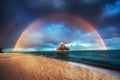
(18, 66)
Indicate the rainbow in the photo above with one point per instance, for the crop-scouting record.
(86, 24)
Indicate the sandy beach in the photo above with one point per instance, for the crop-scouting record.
(19, 66)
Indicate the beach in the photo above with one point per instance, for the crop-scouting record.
(21, 66)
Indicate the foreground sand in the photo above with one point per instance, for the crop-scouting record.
(16, 66)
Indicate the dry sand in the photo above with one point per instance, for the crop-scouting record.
(17, 66)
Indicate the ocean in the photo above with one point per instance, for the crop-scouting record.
(103, 58)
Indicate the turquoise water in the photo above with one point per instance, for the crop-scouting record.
(104, 58)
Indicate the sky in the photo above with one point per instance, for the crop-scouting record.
(16, 15)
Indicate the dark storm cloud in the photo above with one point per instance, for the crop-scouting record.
(108, 22)
(88, 9)
(15, 15)
(111, 14)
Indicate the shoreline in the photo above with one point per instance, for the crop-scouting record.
(18, 66)
(97, 69)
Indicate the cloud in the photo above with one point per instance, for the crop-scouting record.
(103, 14)
(111, 10)
(59, 4)
(110, 15)
(113, 43)
(78, 45)
(109, 31)
(90, 1)
(50, 34)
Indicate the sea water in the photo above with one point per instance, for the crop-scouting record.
(103, 58)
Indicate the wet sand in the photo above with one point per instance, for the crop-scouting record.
(17, 66)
